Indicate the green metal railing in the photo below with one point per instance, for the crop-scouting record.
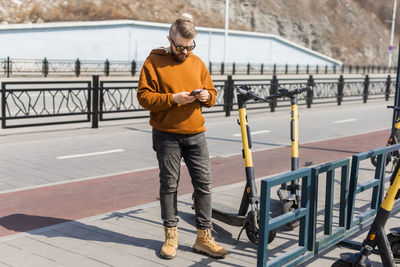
(350, 221)
(301, 253)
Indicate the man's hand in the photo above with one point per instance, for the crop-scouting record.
(203, 96)
(183, 98)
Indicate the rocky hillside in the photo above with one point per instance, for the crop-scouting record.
(353, 31)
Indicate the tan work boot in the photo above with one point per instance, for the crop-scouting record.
(205, 244)
(168, 250)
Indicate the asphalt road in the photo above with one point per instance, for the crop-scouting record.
(45, 155)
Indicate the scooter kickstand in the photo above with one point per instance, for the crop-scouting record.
(240, 233)
(245, 225)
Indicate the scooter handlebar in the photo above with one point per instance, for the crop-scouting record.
(283, 92)
(245, 90)
(395, 108)
(286, 92)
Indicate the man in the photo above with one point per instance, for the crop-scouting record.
(174, 85)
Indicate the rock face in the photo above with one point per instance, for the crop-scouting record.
(353, 31)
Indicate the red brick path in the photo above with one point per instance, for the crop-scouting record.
(34, 208)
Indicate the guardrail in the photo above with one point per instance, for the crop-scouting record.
(351, 218)
(13, 67)
(101, 99)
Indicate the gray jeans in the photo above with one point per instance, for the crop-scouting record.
(171, 148)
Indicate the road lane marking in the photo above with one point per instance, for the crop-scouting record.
(344, 121)
(91, 154)
(254, 133)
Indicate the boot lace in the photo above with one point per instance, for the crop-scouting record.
(210, 240)
(170, 237)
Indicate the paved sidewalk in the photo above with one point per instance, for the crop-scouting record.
(134, 236)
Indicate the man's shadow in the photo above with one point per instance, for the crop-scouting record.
(34, 225)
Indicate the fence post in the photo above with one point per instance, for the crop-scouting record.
(233, 68)
(339, 96)
(297, 69)
(262, 68)
(210, 67)
(8, 67)
(357, 69)
(77, 67)
(95, 101)
(45, 67)
(274, 69)
(222, 68)
(107, 67)
(228, 96)
(334, 69)
(248, 68)
(317, 69)
(3, 105)
(342, 68)
(133, 67)
(350, 68)
(273, 90)
(308, 69)
(365, 92)
(310, 93)
(326, 69)
(364, 69)
(387, 92)
(286, 69)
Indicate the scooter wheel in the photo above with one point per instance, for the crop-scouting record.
(374, 160)
(394, 245)
(341, 263)
(290, 206)
(253, 235)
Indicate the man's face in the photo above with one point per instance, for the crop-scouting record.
(178, 41)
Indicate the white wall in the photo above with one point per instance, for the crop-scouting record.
(126, 40)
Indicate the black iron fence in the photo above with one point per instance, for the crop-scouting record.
(45, 102)
(45, 67)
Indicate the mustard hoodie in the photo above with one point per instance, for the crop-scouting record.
(160, 78)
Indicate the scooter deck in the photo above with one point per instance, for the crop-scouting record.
(227, 215)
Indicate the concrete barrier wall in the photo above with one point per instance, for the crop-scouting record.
(128, 39)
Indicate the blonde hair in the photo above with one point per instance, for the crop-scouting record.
(184, 26)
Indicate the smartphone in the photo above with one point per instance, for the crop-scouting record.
(195, 92)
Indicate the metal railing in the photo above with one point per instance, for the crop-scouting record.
(325, 90)
(116, 99)
(56, 68)
(351, 218)
(61, 101)
(13, 67)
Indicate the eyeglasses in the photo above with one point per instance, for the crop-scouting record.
(181, 48)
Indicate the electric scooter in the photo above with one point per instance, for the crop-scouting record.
(247, 219)
(376, 236)
(289, 195)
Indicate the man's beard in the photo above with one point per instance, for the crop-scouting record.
(179, 57)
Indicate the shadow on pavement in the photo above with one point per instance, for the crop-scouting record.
(77, 230)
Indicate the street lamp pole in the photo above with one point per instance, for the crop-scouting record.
(392, 35)
(226, 30)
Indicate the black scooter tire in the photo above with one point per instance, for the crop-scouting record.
(394, 242)
(289, 206)
(253, 235)
(252, 231)
(341, 263)
(374, 160)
